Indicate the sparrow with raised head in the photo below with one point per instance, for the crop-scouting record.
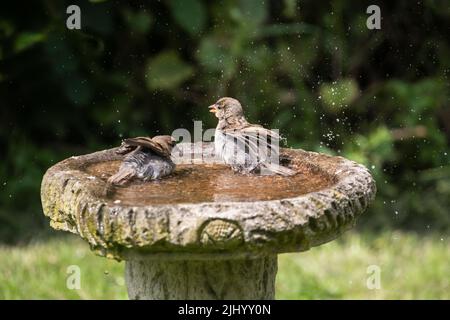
(145, 159)
(246, 147)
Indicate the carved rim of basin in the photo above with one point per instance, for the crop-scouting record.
(71, 198)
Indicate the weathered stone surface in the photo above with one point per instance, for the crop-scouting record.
(252, 279)
(221, 232)
(76, 202)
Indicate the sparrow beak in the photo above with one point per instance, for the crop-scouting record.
(213, 108)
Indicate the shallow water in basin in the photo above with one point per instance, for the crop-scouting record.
(195, 183)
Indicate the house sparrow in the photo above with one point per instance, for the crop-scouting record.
(146, 159)
(246, 147)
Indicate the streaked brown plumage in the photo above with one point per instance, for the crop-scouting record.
(246, 147)
(145, 159)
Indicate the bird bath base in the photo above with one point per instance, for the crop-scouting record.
(231, 279)
(205, 232)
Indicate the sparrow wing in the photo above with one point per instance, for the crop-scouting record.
(258, 143)
(147, 143)
(260, 130)
(125, 149)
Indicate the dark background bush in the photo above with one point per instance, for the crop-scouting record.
(310, 68)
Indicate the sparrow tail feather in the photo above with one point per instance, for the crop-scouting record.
(122, 177)
(275, 168)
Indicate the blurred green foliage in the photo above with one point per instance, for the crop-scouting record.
(311, 69)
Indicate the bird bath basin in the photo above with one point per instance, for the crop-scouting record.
(205, 232)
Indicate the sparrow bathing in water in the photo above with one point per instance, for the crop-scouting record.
(145, 159)
(246, 147)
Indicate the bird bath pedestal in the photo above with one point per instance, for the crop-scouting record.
(205, 232)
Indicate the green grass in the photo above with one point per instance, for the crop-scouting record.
(412, 267)
(39, 271)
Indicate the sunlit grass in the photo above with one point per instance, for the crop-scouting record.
(412, 267)
(39, 271)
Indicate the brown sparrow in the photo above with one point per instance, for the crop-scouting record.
(246, 147)
(146, 159)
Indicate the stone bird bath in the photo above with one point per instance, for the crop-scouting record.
(205, 232)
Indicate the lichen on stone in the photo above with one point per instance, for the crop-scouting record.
(77, 203)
